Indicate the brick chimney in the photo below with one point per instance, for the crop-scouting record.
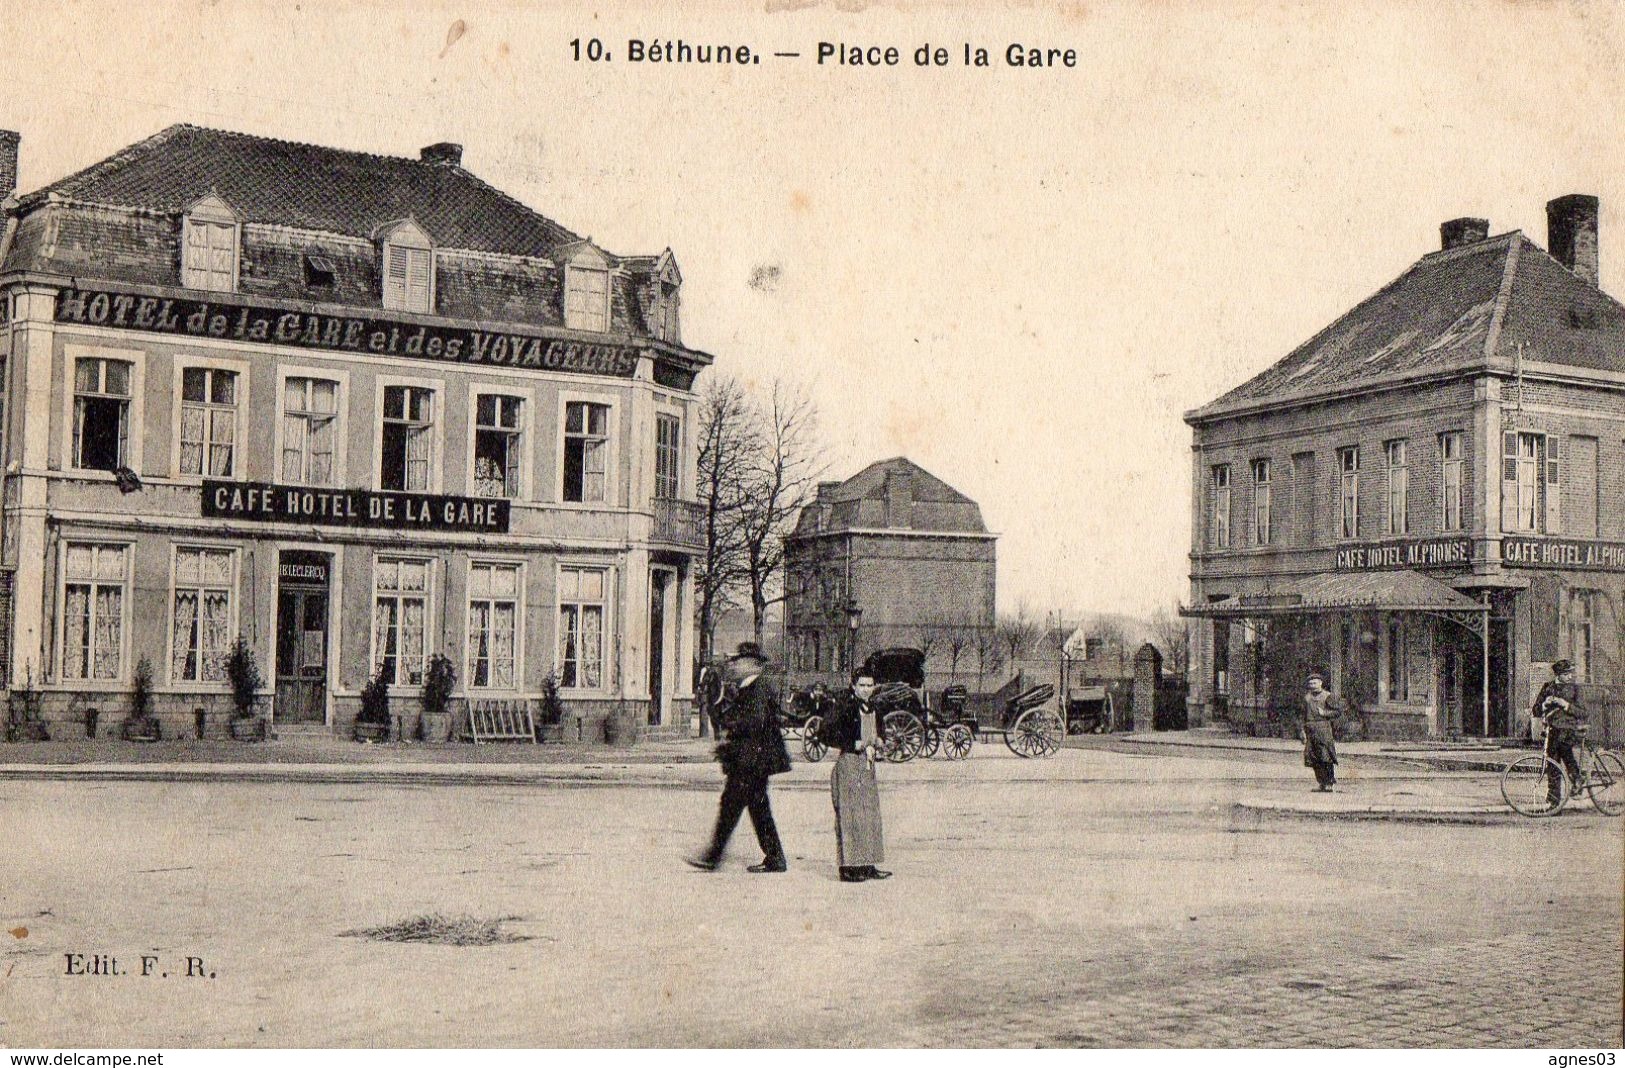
(446, 153)
(8, 162)
(1458, 232)
(1571, 234)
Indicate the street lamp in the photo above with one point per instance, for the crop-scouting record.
(854, 616)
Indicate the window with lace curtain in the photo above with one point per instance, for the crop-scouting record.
(95, 593)
(581, 626)
(400, 613)
(309, 430)
(493, 623)
(208, 426)
(586, 451)
(200, 623)
(406, 451)
(498, 446)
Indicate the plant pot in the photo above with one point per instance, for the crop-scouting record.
(436, 726)
(91, 716)
(141, 730)
(550, 732)
(248, 729)
(617, 730)
(28, 730)
(371, 732)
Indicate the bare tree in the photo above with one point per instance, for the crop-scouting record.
(985, 644)
(728, 443)
(957, 638)
(1171, 635)
(1113, 637)
(779, 479)
(1017, 633)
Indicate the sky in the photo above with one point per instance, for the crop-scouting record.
(1019, 278)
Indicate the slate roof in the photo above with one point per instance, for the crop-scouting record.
(861, 503)
(312, 187)
(870, 483)
(1461, 309)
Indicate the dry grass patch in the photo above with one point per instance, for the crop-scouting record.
(437, 928)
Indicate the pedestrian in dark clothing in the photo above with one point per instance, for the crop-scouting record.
(1320, 709)
(852, 730)
(751, 754)
(1558, 704)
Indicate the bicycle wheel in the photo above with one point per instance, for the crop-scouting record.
(1525, 786)
(956, 743)
(1608, 783)
(812, 747)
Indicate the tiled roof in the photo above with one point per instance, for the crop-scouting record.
(311, 187)
(862, 503)
(870, 483)
(1460, 309)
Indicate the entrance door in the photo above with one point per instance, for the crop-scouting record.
(659, 587)
(301, 640)
(1450, 707)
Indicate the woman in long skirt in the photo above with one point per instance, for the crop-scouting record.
(851, 729)
(1320, 709)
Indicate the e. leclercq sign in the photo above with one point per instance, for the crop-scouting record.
(269, 503)
(228, 321)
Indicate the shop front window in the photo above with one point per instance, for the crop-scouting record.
(1398, 670)
(1582, 609)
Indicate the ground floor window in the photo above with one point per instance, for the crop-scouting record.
(582, 611)
(493, 618)
(1398, 675)
(95, 583)
(1582, 606)
(400, 607)
(200, 615)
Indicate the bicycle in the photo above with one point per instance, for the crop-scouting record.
(1526, 782)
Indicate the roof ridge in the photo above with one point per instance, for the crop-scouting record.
(1503, 297)
(102, 167)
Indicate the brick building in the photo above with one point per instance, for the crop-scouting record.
(358, 409)
(901, 553)
(1426, 499)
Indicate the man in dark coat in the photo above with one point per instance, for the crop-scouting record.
(750, 756)
(1558, 703)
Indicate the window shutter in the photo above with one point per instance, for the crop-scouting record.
(417, 279)
(394, 277)
(1554, 488)
(1509, 481)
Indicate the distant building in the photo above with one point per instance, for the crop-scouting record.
(901, 553)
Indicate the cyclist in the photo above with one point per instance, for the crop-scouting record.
(1559, 706)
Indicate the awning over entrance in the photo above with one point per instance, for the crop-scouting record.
(1376, 591)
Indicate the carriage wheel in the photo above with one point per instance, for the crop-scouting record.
(933, 742)
(1036, 733)
(957, 741)
(905, 736)
(812, 747)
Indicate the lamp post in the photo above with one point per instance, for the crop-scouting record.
(854, 616)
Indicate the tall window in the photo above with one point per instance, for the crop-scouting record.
(1582, 611)
(310, 409)
(668, 431)
(581, 626)
(400, 609)
(208, 429)
(101, 413)
(3, 391)
(586, 298)
(1399, 680)
(497, 445)
(200, 617)
(408, 439)
(1399, 486)
(95, 580)
(1529, 488)
(1450, 479)
(1261, 502)
(586, 451)
(1221, 506)
(1348, 465)
(493, 619)
(210, 255)
(408, 278)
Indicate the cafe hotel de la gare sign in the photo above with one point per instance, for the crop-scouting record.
(1427, 553)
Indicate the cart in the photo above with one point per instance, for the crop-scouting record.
(1030, 729)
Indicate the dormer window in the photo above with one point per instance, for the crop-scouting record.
(408, 268)
(667, 288)
(209, 246)
(586, 289)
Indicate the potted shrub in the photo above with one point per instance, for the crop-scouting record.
(141, 725)
(244, 672)
(23, 721)
(437, 686)
(372, 722)
(550, 725)
(618, 727)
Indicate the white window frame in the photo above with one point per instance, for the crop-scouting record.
(612, 435)
(1452, 477)
(430, 616)
(607, 636)
(1348, 493)
(128, 584)
(135, 426)
(526, 429)
(680, 491)
(518, 627)
(437, 435)
(406, 238)
(341, 449)
(240, 368)
(1263, 519)
(572, 273)
(233, 610)
(1220, 517)
(1397, 454)
(206, 216)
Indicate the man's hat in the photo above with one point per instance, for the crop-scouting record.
(749, 651)
(1561, 667)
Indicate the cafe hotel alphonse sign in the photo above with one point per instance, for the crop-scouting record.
(1396, 555)
(228, 321)
(268, 503)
